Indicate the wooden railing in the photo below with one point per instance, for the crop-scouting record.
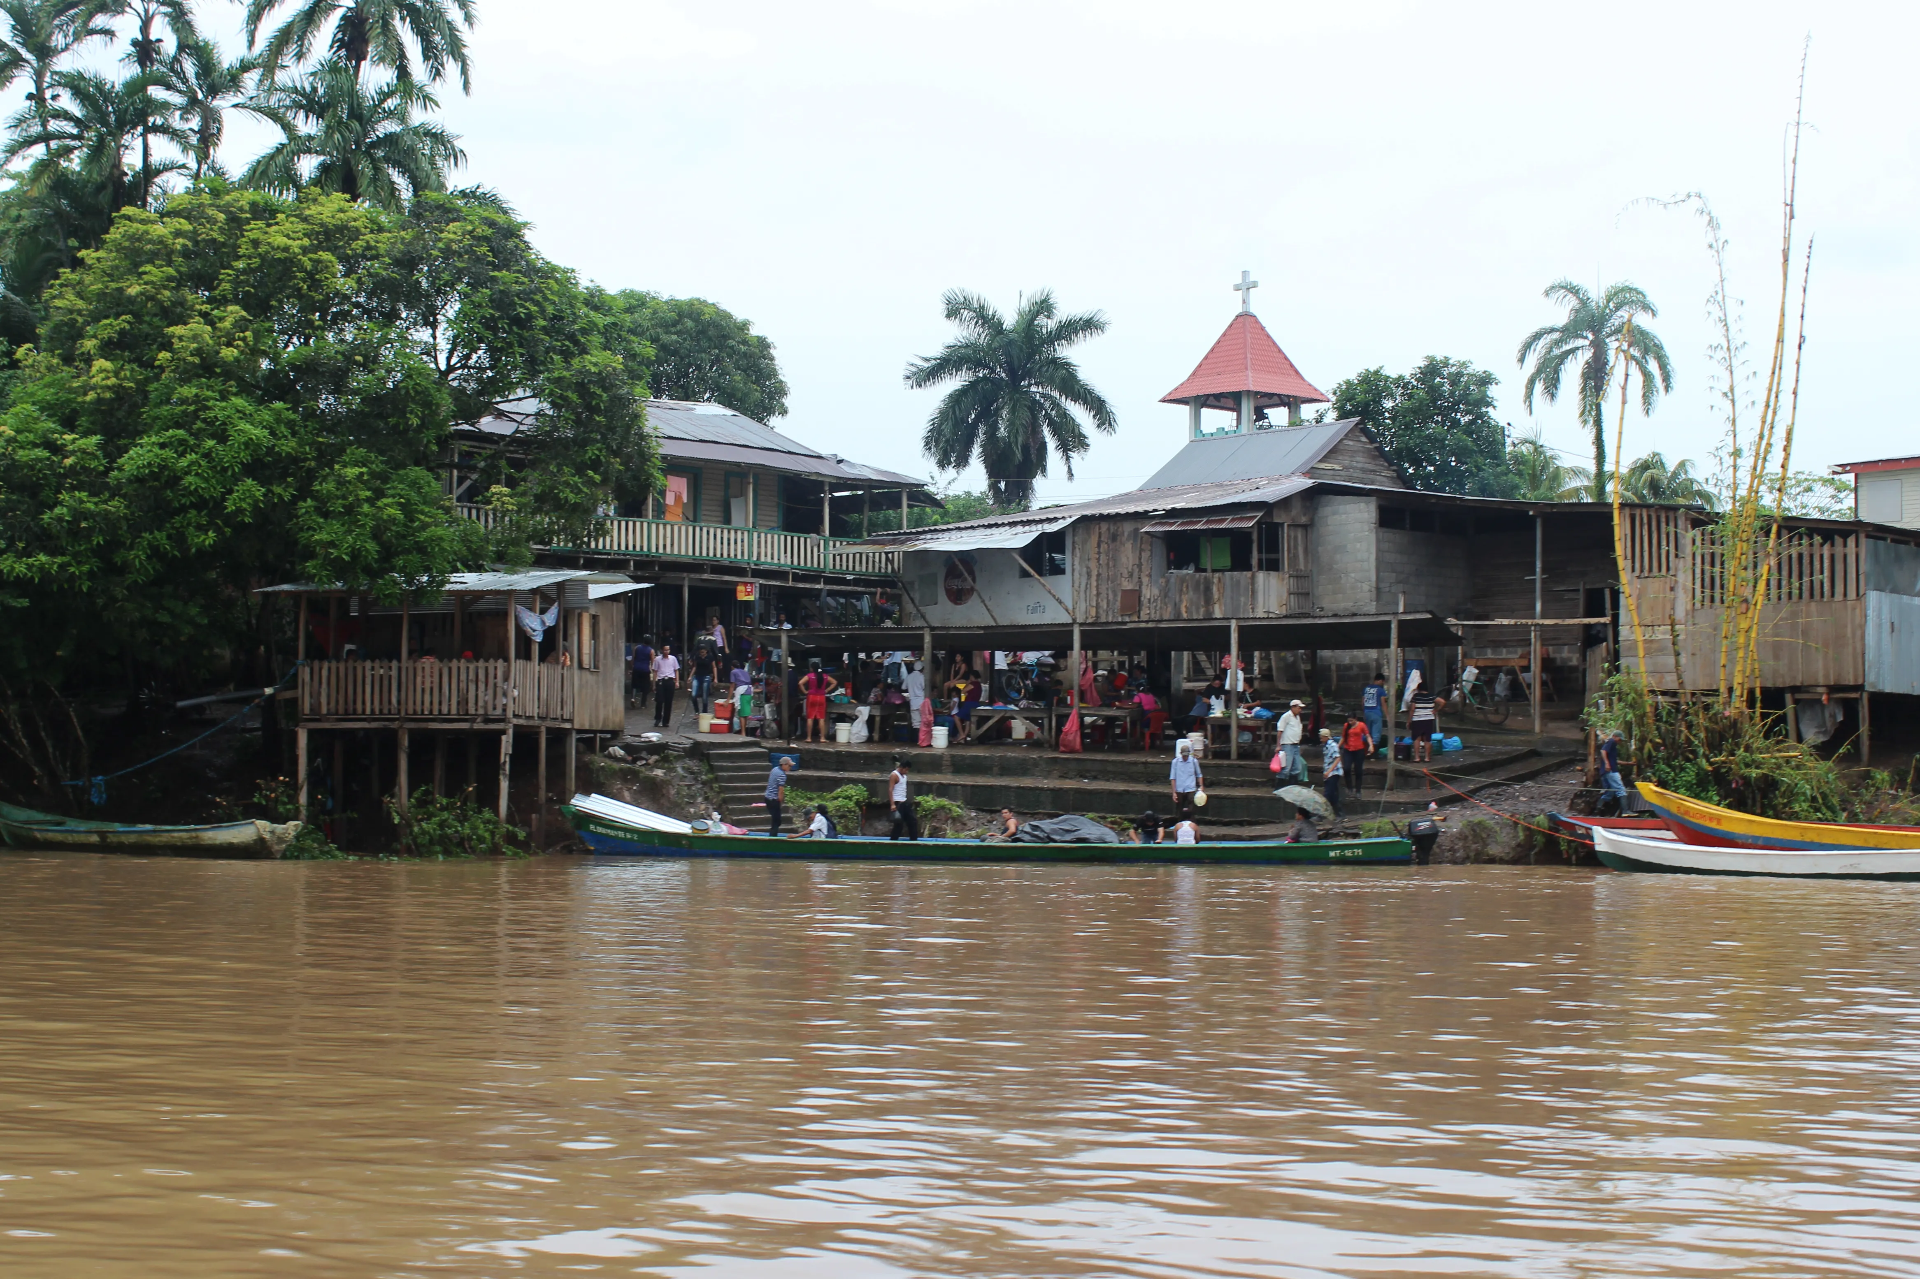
(457, 690)
(728, 544)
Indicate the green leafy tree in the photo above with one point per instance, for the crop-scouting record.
(340, 136)
(400, 35)
(1596, 333)
(1812, 495)
(238, 390)
(1435, 423)
(1540, 476)
(1017, 392)
(1652, 479)
(703, 352)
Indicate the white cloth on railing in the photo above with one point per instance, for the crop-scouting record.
(536, 624)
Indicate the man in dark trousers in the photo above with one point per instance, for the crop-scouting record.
(666, 679)
(777, 791)
(900, 798)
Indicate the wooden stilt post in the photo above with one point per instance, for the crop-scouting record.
(540, 804)
(1866, 727)
(1073, 674)
(373, 769)
(1539, 544)
(300, 733)
(1234, 678)
(300, 762)
(339, 777)
(1393, 696)
(400, 771)
(573, 760)
(506, 768)
(439, 764)
(472, 775)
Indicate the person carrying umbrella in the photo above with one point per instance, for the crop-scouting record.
(1331, 771)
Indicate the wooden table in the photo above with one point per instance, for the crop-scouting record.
(1122, 717)
(1043, 718)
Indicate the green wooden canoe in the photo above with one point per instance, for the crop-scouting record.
(610, 836)
(25, 828)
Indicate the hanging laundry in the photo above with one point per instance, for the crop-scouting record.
(536, 624)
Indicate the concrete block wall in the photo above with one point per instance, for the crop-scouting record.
(1345, 535)
(1433, 569)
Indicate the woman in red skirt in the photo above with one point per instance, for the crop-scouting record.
(816, 685)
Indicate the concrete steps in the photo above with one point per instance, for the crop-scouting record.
(1033, 781)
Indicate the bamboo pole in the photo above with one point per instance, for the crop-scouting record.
(1539, 586)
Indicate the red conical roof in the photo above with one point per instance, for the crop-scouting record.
(1245, 358)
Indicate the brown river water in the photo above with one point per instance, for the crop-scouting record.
(773, 1070)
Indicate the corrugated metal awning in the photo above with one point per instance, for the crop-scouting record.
(1245, 520)
(601, 590)
(970, 537)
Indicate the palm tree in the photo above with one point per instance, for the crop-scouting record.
(1543, 477)
(1650, 479)
(1016, 393)
(39, 34)
(204, 82)
(376, 31)
(94, 127)
(365, 144)
(1595, 332)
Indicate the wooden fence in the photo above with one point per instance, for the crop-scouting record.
(728, 544)
(489, 690)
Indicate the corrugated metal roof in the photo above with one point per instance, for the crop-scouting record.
(1282, 450)
(1245, 358)
(1246, 520)
(701, 432)
(1260, 491)
(471, 583)
(971, 536)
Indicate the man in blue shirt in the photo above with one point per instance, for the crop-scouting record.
(642, 670)
(1186, 779)
(777, 791)
(1373, 703)
(1611, 786)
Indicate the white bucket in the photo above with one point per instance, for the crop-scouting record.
(705, 723)
(843, 733)
(1019, 729)
(939, 738)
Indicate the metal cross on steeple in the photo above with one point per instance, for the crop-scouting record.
(1245, 289)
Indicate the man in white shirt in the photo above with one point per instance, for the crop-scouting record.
(1290, 725)
(916, 688)
(666, 676)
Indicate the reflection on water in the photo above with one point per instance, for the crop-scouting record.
(772, 1070)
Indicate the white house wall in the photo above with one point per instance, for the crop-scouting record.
(1006, 596)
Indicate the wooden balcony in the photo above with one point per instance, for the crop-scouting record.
(451, 694)
(729, 544)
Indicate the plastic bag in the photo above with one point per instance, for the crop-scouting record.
(859, 732)
(1278, 764)
(926, 723)
(1070, 735)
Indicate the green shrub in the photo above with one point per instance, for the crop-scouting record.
(437, 828)
(846, 807)
(938, 816)
(311, 845)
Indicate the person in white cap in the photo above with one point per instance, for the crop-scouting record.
(1290, 726)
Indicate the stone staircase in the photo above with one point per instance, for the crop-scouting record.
(1036, 781)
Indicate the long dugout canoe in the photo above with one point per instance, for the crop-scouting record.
(610, 837)
(1697, 822)
(1623, 851)
(26, 828)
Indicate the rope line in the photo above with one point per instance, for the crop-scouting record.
(99, 783)
(1509, 816)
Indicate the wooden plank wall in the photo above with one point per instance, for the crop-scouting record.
(1111, 556)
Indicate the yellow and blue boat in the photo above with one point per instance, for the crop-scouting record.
(1694, 821)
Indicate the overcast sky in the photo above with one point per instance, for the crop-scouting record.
(1403, 179)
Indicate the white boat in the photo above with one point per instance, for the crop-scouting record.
(1632, 851)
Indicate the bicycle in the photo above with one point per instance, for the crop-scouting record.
(1471, 695)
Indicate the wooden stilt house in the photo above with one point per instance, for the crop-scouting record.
(493, 655)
